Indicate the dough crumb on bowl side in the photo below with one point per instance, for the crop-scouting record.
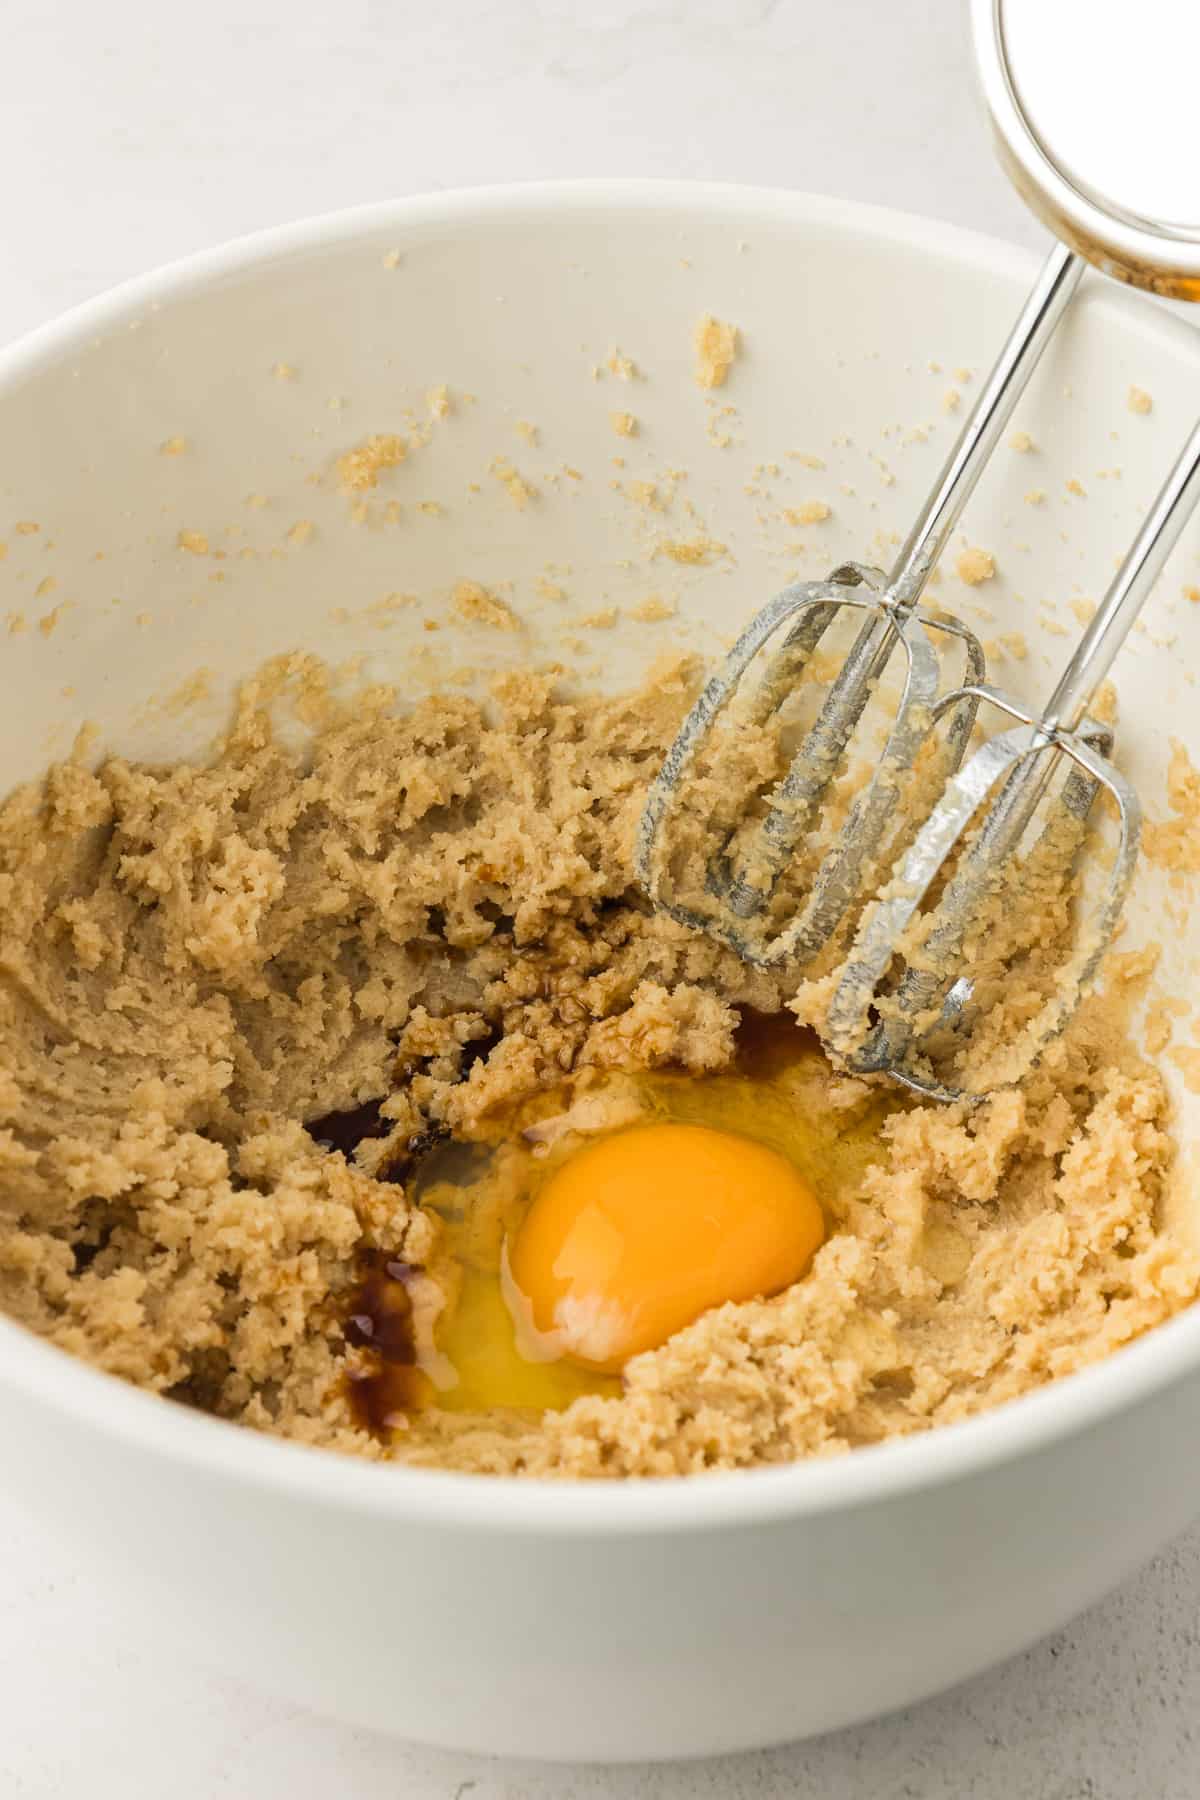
(433, 913)
(717, 345)
(974, 566)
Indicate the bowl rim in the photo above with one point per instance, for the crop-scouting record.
(104, 1406)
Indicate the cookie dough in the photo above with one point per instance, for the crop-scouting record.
(431, 915)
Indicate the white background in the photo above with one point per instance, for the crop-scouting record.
(134, 131)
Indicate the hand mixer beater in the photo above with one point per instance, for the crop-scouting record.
(916, 865)
(870, 1028)
(744, 867)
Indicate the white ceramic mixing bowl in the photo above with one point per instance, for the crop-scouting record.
(556, 1621)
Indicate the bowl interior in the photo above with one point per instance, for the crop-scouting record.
(174, 507)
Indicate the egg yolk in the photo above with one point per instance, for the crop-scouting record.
(639, 1233)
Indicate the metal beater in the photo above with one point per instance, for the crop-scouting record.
(1102, 161)
(930, 1001)
(743, 869)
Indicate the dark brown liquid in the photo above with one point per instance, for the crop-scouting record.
(345, 1131)
(380, 1324)
(767, 1043)
(386, 1383)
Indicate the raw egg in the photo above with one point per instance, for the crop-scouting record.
(599, 1218)
(639, 1233)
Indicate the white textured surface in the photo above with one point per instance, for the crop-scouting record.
(134, 132)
